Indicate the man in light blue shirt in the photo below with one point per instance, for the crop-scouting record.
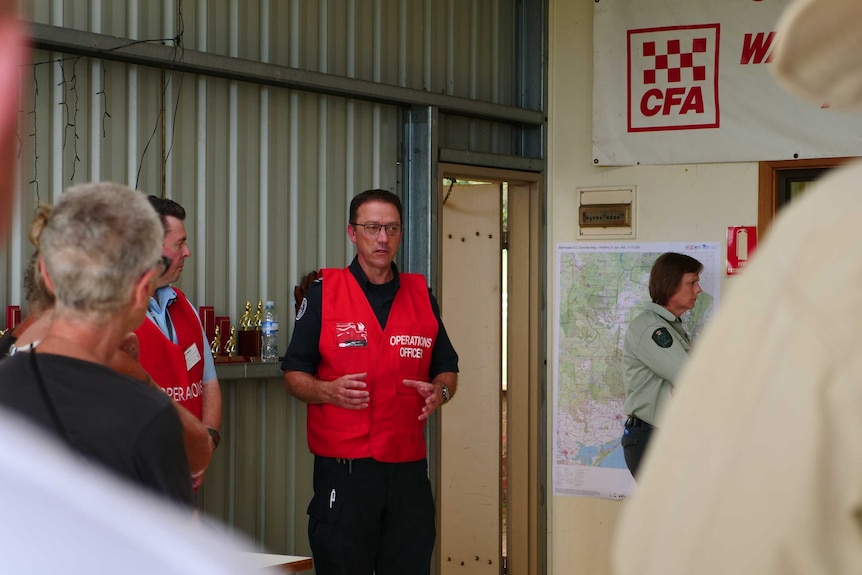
(157, 311)
(174, 349)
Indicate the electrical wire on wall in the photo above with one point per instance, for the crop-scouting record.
(70, 85)
(71, 100)
(179, 51)
(34, 135)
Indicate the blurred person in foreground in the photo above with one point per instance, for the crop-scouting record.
(757, 468)
(100, 255)
(654, 349)
(13, 56)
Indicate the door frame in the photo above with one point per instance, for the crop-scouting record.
(527, 428)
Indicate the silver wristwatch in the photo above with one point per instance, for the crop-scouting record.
(445, 390)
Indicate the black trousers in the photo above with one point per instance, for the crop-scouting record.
(635, 439)
(371, 517)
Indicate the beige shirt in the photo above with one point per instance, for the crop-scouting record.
(757, 466)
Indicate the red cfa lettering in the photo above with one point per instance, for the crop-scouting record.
(654, 101)
(757, 48)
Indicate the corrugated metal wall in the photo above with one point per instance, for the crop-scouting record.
(265, 173)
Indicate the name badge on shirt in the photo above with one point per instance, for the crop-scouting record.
(192, 356)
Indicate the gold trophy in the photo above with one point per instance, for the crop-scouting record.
(216, 342)
(230, 347)
(248, 338)
(257, 320)
(245, 320)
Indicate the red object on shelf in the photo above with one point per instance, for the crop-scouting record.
(13, 316)
(223, 323)
(207, 314)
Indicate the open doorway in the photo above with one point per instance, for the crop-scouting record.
(490, 454)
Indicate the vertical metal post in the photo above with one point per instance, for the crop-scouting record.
(420, 247)
(532, 78)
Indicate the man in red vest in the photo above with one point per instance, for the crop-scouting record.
(371, 358)
(173, 348)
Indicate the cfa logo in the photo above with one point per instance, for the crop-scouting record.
(673, 78)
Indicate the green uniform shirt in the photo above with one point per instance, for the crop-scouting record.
(654, 349)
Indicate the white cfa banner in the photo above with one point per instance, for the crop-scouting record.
(685, 81)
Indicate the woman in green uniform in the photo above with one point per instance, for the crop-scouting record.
(655, 347)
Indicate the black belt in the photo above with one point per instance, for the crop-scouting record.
(361, 463)
(348, 462)
(633, 421)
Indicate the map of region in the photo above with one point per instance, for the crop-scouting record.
(600, 289)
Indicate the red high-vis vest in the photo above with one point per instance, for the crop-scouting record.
(177, 368)
(352, 341)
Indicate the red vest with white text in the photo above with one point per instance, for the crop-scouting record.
(352, 341)
(166, 361)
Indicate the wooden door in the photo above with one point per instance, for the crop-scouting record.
(470, 454)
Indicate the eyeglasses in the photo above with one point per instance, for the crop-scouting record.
(163, 264)
(374, 229)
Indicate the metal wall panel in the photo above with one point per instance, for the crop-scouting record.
(259, 481)
(266, 174)
(464, 48)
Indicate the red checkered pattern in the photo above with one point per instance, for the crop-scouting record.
(674, 61)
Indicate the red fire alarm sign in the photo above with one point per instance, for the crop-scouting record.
(741, 242)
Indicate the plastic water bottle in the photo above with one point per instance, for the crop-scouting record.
(269, 334)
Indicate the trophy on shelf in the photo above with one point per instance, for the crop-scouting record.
(245, 319)
(224, 341)
(257, 320)
(233, 343)
(249, 335)
(215, 344)
(230, 346)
